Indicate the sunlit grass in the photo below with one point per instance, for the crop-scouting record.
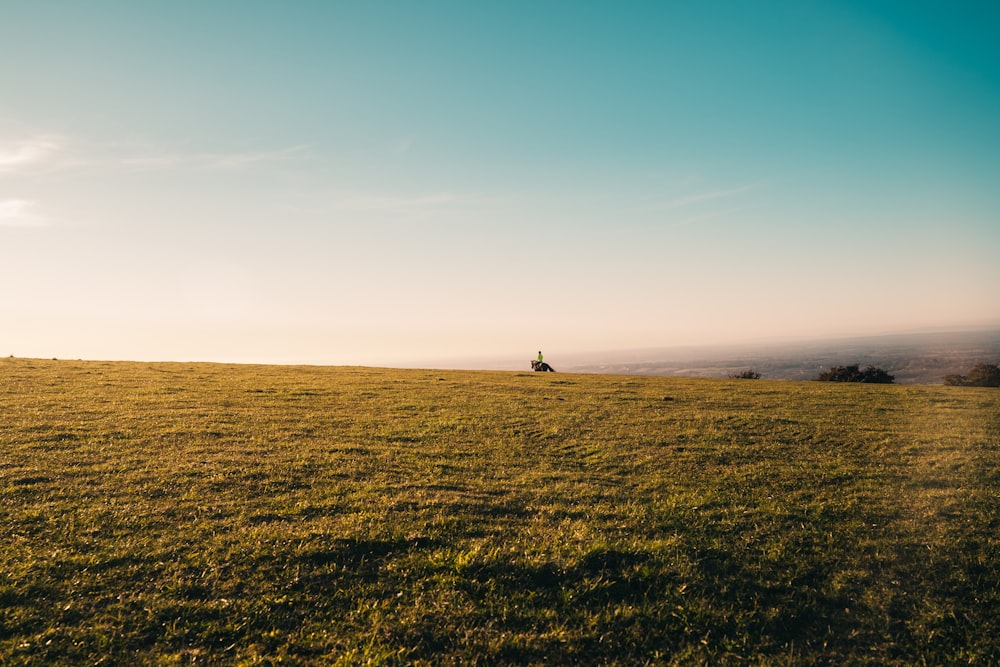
(179, 512)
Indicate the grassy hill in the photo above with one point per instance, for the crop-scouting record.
(179, 513)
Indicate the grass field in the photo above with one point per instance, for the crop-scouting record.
(196, 513)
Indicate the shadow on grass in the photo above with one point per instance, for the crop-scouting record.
(361, 558)
(610, 604)
(422, 597)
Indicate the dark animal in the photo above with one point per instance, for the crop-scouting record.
(541, 366)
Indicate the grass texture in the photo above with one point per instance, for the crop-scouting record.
(213, 514)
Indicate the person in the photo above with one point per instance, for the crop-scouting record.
(540, 365)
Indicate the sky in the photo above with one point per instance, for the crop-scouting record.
(407, 183)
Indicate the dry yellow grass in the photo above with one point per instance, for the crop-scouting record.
(175, 513)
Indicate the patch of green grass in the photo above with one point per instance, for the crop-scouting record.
(178, 513)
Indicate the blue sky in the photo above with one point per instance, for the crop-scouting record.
(405, 183)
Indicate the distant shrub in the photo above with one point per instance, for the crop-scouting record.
(746, 375)
(982, 375)
(870, 375)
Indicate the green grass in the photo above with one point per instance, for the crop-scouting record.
(179, 513)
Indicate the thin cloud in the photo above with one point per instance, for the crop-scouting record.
(28, 153)
(212, 160)
(20, 213)
(44, 153)
(392, 204)
(246, 159)
(709, 196)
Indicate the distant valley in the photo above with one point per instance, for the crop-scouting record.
(919, 358)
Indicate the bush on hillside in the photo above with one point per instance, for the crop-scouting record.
(870, 375)
(746, 375)
(982, 375)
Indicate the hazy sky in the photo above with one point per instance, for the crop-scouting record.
(396, 182)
